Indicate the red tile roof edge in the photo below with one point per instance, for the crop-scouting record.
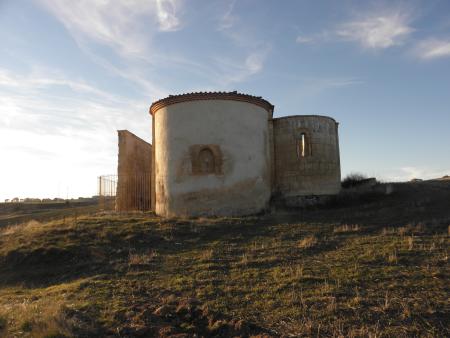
(233, 96)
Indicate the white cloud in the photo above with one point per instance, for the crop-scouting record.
(58, 133)
(253, 50)
(433, 49)
(409, 173)
(303, 39)
(125, 25)
(377, 31)
(233, 70)
(167, 15)
(228, 20)
(254, 62)
(128, 27)
(42, 78)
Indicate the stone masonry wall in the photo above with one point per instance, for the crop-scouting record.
(134, 173)
(316, 172)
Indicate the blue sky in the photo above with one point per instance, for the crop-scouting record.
(74, 72)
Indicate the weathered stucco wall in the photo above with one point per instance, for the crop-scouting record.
(134, 173)
(229, 141)
(308, 167)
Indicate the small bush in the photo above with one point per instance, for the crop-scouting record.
(353, 179)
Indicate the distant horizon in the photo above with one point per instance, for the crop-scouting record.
(96, 194)
(73, 73)
(45, 199)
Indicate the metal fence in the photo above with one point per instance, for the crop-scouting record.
(107, 192)
(125, 192)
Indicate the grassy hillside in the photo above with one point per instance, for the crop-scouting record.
(13, 213)
(375, 265)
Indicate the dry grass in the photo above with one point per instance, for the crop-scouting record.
(392, 257)
(241, 269)
(346, 228)
(388, 231)
(207, 254)
(308, 242)
(411, 229)
(321, 272)
(245, 258)
(36, 318)
(410, 242)
(141, 258)
(30, 227)
(297, 271)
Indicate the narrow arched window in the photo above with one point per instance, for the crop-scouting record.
(303, 146)
(206, 161)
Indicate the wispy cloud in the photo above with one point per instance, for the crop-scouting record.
(227, 20)
(129, 27)
(65, 125)
(377, 30)
(432, 49)
(231, 71)
(43, 78)
(118, 24)
(304, 39)
(315, 86)
(312, 88)
(255, 50)
(254, 62)
(60, 130)
(52, 102)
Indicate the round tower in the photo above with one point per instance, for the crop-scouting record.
(211, 154)
(307, 162)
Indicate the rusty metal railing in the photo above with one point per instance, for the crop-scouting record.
(125, 192)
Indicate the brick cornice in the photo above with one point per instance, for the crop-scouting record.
(233, 96)
(281, 118)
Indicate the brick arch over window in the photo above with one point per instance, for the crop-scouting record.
(206, 159)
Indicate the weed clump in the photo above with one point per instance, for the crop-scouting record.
(308, 242)
(353, 179)
(187, 317)
(138, 259)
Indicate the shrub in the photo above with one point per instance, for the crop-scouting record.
(353, 179)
